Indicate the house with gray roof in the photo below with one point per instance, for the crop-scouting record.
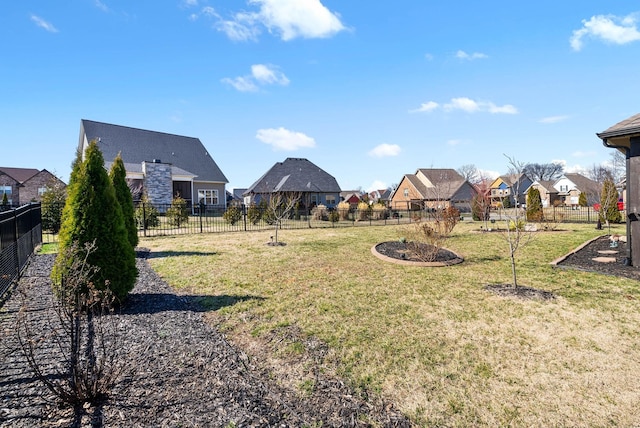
(158, 164)
(433, 188)
(296, 176)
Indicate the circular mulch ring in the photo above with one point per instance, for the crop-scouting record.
(520, 292)
(404, 253)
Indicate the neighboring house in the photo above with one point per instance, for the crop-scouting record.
(25, 185)
(354, 197)
(434, 189)
(380, 196)
(570, 185)
(296, 176)
(235, 198)
(548, 193)
(160, 165)
(512, 187)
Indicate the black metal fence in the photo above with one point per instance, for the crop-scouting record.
(20, 234)
(168, 219)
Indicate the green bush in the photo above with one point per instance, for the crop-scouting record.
(178, 213)
(232, 215)
(147, 216)
(534, 205)
(582, 199)
(609, 203)
(92, 216)
(254, 213)
(52, 201)
(334, 216)
(118, 176)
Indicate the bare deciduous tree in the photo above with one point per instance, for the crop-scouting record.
(470, 173)
(279, 206)
(74, 348)
(516, 233)
(543, 171)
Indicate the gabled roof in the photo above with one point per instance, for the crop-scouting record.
(547, 185)
(443, 183)
(295, 175)
(582, 183)
(139, 145)
(19, 174)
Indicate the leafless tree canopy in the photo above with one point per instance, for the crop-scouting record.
(543, 171)
(470, 173)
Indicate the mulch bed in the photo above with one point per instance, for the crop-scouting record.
(407, 253)
(180, 371)
(583, 259)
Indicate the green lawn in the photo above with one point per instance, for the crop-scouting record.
(432, 340)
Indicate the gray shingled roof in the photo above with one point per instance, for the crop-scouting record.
(295, 175)
(139, 145)
(582, 183)
(626, 127)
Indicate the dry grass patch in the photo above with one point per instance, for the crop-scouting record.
(432, 340)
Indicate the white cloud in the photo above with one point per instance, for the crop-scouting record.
(470, 57)
(242, 84)
(289, 19)
(44, 24)
(454, 142)
(100, 5)
(284, 139)
(553, 119)
(190, 3)
(472, 106)
(609, 28)
(268, 74)
(428, 57)
(385, 150)
(426, 107)
(261, 74)
(376, 185)
(487, 173)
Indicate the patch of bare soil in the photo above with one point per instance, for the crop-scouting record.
(180, 371)
(520, 292)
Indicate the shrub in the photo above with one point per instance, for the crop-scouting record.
(379, 211)
(320, 212)
(334, 217)
(534, 205)
(178, 213)
(52, 201)
(450, 217)
(232, 215)
(582, 199)
(254, 213)
(343, 210)
(146, 214)
(118, 176)
(364, 211)
(92, 214)
(609, 203)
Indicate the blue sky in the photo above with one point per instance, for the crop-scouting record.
(368, 91)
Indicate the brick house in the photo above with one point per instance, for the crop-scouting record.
(25, 185)
(434, 189)
(161, 165)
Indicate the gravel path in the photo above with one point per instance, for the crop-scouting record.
(180, 371)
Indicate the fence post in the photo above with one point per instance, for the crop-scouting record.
(244, 216)
(202, 211)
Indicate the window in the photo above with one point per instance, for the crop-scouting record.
(406, 193)
(42, 191)
(5, 190)
(331, 199)
(314, 200)
(208, 196)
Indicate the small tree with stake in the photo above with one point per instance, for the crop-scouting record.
(516, 234)
(279, 207)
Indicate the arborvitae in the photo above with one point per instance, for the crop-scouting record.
(534, 205)
(582, 199)
(118, 175)
(92, 214)
(609, 203)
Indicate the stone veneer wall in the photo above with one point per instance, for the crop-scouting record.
(157, 182)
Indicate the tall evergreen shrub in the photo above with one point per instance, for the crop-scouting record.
(609, 203)
(118, 176)
(92, 214)
(534, 205)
